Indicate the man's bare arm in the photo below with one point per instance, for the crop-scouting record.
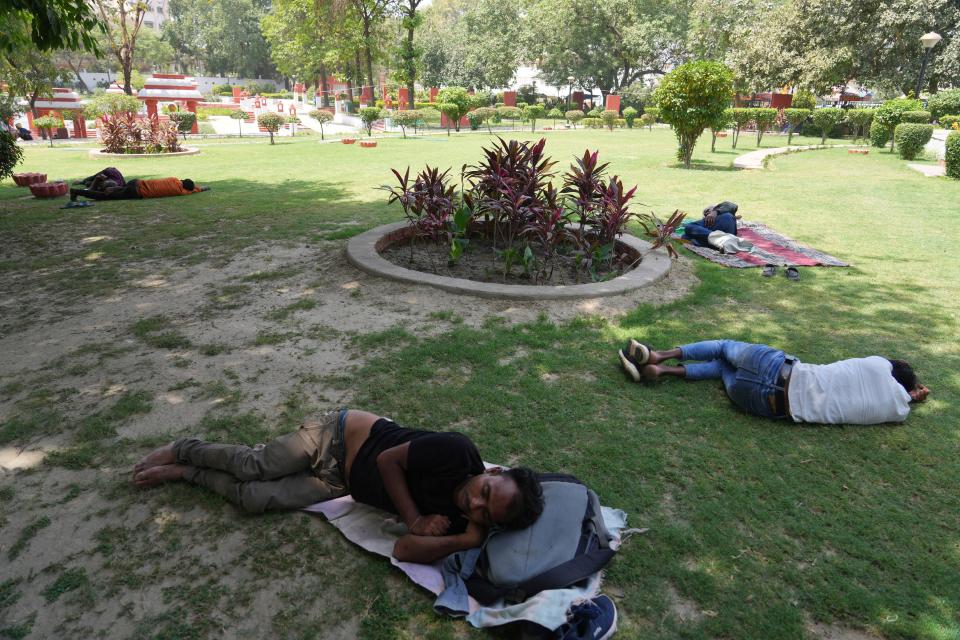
(427, 549)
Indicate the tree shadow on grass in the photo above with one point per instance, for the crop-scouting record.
(702, 165)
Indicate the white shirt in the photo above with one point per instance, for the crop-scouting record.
(855, 391)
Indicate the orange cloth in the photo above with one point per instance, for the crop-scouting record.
(162, 187)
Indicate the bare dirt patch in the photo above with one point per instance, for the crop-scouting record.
(822, 631)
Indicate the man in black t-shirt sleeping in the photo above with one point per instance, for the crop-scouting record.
(435, 482)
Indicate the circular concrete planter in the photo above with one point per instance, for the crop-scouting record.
(368, 144)
(188, 151)
(48, 189)
(27, 179)
(348, 140)
(862, 152)
(363, 251)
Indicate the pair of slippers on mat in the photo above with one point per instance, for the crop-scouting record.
(633, 357)
(770, 270)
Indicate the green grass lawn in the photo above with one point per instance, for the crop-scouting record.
(757, 529)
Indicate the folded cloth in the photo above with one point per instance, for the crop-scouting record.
(728, 243)
(376, 531)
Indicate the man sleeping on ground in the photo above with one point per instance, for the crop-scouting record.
(435, 482)
(103, 188)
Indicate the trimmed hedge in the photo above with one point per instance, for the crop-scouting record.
(592, 123)
(921, 117)
(947, 122)
(953, 155)
(879, 134)
(910, 138)
(944, 102)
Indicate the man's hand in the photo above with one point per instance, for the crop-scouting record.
(920, 393)
(710, 218)
(432, 525)
(475, 534)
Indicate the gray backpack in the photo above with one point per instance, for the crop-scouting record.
(568, 543)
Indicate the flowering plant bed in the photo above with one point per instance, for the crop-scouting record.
(27, 179)
(348, 140)
(125, 133)
(48, 189)
(368, 144)
(511, 224)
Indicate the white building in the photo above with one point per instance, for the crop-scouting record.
(155, 15)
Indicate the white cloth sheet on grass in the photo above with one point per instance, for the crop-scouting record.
(376, 531)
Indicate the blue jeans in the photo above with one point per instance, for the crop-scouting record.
(698, 231)
(750, 372)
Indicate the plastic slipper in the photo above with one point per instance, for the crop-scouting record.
(639, 352)
(77, 204)
(769, 270)
(792, 273)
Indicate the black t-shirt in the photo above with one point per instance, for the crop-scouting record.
(437, 463)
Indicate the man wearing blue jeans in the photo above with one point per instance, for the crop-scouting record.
(719, 217)
(764, 381)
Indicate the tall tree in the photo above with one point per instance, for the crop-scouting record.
(409, 52)
(298, 33)
(372, 14)
(50, 24)
(122, 20)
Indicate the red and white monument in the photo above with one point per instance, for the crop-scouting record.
(171, 87)
(65, 103)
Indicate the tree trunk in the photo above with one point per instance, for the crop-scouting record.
(411, 65)
(358, 69)
(366, 44)
(349, 84)
(324, 99)
(127, 89)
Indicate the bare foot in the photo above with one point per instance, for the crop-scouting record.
(157, 457)
(158, 475)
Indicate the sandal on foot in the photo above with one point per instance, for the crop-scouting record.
(792, 273)
(639, 352)
(630, 367)
(769, 270)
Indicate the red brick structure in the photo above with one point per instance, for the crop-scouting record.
(171, 87)
(64, 102)
(613, 103)
(509, 98)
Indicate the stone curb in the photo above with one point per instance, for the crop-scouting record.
(98, 153)
(362, 253)
(757, 159)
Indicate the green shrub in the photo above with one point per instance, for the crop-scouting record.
(111, 104)
(609, 118)
(271, 122)
(764, 118)
(691, 98)
(859, 121)
(890, 114)
(804, 100)
(574, 116)
(592, 123)
(222, 90)
(741, 118)
(920, 117)
(879, 135)
(795, 117)
(47, 124)
(953, 155)
(239, 115)
(369, 115)
(555, 114)
(826, 119)
(459, 97)
(654, 111)
(408, 118)
(630, 114)
(532, 113)
(596, 112)
(11, 154)
(278, 95)
(944, 102)
(184, 120)
(948, 122)
(204, 112)
(509, 113)
(911, 137)
(647, 120)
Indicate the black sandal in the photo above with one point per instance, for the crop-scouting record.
(792, 273)
(769, 270)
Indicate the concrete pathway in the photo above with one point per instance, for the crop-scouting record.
(929, 170)
(756, 159)
(938, 144)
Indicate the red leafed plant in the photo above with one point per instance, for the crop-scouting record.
(126, 133)
(660, 232)
(583, 184)
(427, 201)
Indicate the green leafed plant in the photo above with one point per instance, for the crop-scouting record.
(795, 118)
(369, 115)
(322, 117)
(574, 116)
(944, 102)
(890, 114)
(47, 124)
(859, 121)
(630, 114)
(609, 118)
(271, 122)
(953, 154)
(764, 118)
(826, 119)
(741, 118)
(239, 115)
(911, 138)
(11, 154)
(532, 113)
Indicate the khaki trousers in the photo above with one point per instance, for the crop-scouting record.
(291, 472)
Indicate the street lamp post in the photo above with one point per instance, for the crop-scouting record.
(570, 80)
(929, 41)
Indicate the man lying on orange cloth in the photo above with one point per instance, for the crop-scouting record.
(105, 189)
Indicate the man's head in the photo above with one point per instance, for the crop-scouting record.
(188, 184)
(511, 498)
(903, 373)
